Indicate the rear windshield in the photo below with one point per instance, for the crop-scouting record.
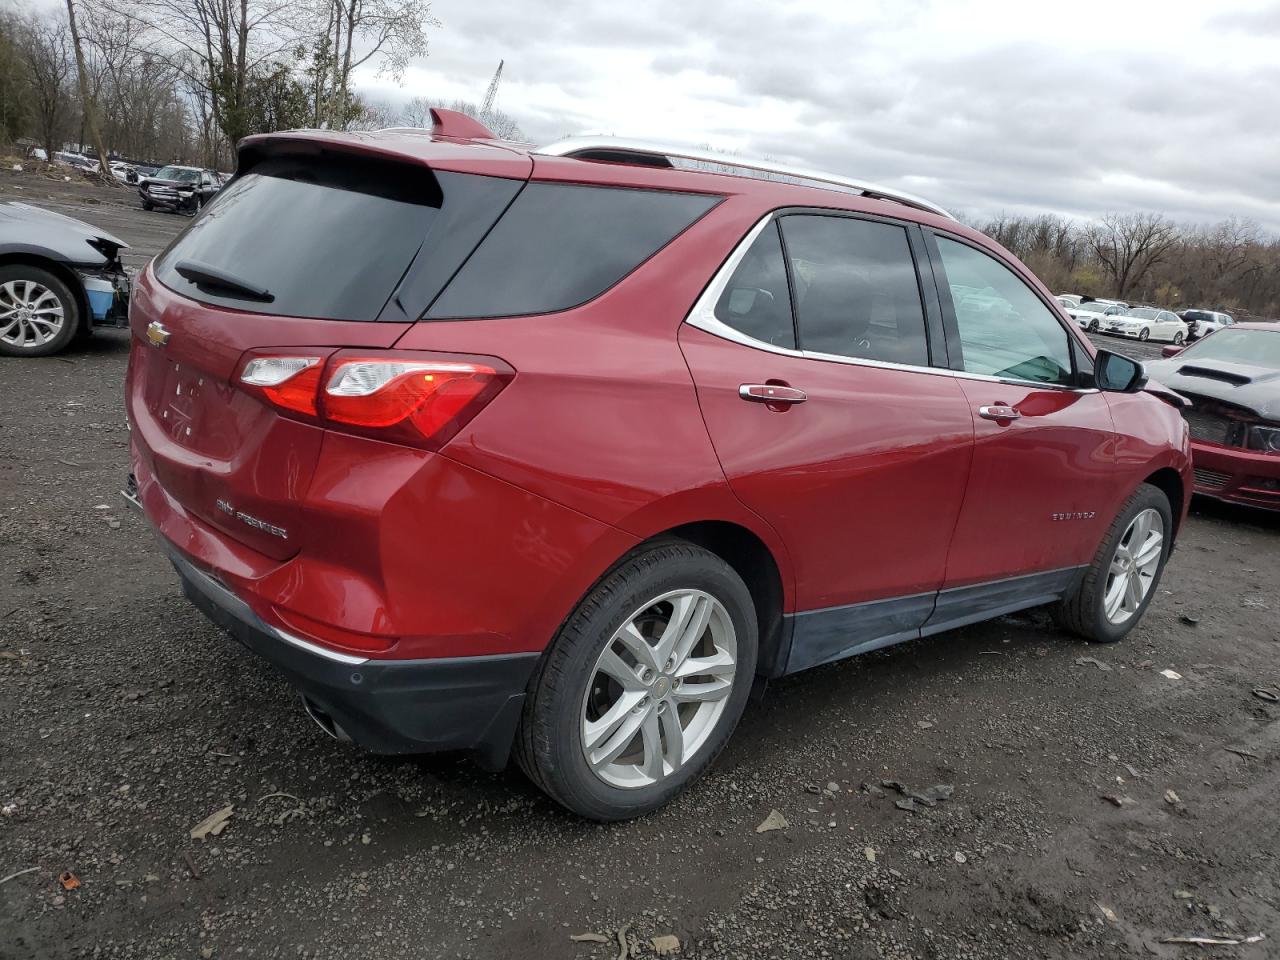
(326, 238)
(561, 245)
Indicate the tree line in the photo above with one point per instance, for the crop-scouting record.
(185, 80)
(1149, 258)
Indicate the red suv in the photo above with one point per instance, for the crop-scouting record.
(559, 450)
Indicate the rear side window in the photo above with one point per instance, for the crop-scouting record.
(560, 245)
(756, 301)
(857, 294)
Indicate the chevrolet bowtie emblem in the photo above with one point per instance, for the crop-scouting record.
(157, 335)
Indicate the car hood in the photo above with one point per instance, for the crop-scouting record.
(1244, 385)
(28, 229)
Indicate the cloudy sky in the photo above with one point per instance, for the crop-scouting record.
(983, 106)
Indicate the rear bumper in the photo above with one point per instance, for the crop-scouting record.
(387, 706)
(1236, 475)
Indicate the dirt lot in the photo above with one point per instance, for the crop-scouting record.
(126, 719)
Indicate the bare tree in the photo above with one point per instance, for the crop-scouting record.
(46, 47)
(354, 33)
(1128, 245)
(87, 106)
(416, 113)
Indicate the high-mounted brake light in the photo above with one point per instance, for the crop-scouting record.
(414, 398)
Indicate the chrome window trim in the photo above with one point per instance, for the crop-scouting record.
(703, 317)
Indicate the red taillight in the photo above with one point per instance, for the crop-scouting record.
(290, 382)
(415, 398)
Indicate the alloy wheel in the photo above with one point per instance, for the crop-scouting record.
(658, 689)
(30, 314)
(1134, 566)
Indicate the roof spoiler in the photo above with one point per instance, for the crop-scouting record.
(451, 123)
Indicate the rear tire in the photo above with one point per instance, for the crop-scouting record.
(39, 315)
(577, 713)
(1177, 339)
(1084, 611)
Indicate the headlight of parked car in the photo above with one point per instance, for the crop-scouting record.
(1266, 439)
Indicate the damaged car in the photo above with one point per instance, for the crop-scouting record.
(59, 277)
(1232, 379)
(180, 189)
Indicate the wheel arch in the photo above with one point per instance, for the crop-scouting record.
(754, 562)
(1169, 482)
(60, 270)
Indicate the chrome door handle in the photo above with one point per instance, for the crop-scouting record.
(999, 411)
(771, 393)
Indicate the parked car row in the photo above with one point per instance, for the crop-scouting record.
(1099, 315)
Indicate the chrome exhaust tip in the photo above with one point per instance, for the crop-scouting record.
(323, 720)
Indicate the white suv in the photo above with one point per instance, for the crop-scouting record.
(1201, 323)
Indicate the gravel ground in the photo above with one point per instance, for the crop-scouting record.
(127, 719)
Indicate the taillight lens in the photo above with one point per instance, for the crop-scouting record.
(288, 382)
(415, 398)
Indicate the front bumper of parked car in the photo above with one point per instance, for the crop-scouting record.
(1237, 475)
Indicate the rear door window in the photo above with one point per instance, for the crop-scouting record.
(326, 237)
(756, 301)
(856, 290)
(560, 245)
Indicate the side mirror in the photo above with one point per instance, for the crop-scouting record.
(1171, 351)
(1118, 374)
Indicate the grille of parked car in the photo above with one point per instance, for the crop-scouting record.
(1213, 421)
(1210, 478)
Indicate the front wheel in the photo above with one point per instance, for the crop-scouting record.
(643, 685)
(1144, 334)
(1093, 326)
(1178, 338)
(38, 313)
(1119, 584)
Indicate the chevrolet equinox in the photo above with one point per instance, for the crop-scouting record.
(555, 451)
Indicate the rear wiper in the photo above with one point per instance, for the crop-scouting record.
(204, 275)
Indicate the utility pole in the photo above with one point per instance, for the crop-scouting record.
(86, 101)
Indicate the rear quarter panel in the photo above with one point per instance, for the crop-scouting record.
(602, 416)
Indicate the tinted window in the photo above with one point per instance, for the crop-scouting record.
(756, 301)
(327, 239)
(1005, 329)
(560, 245)
(855, 288)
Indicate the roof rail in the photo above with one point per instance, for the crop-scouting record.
(623, 150)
